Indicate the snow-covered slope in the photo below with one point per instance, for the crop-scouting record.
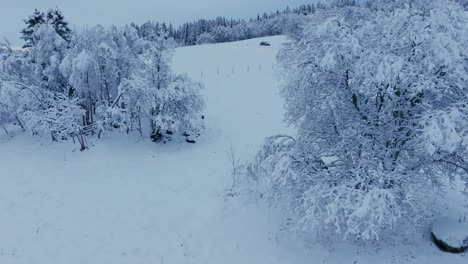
(124, 201)
(130, 201)
(240, 89)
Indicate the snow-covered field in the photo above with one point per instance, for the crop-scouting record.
(127, 200)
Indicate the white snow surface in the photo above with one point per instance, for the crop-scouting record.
(452, 232)
(127, 200)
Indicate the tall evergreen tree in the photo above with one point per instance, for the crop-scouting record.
(37, 18)
(57, 21)
(53, 18)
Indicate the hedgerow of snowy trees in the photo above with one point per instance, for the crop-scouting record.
(72, 84)
(379, 95)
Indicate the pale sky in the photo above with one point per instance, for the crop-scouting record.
(121, 12)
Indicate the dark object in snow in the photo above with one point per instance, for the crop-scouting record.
(169, 132)
(450, 235)
(202, 117)
(185, 134)
(447, 248)
(264, 43)
(156, 137)
(191, 141)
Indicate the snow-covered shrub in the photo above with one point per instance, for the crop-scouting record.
(272, 171)
(17, 90)
(14, 101)
(42, 112)
(379, 99)
(116, 118)
(57, 115)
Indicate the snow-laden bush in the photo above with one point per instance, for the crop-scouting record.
(57, 115)
(275, 160)
(14, 101)
(42, 112)
(380, 102)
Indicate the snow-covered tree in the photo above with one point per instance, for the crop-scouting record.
(23, 101)
(53, 17)
(84, 81)
(379, 99)
(5, 47)
(58, 22)
(46, 56)
(34, 20)
(107, 68)
(170, 103)
(240, 31)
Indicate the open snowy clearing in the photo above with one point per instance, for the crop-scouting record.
(131, 201)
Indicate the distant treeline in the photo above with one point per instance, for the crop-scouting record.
(222, 29)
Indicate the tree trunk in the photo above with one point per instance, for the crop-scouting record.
(21, 124)
(4, 128)
(81, 139)
(139, 122)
